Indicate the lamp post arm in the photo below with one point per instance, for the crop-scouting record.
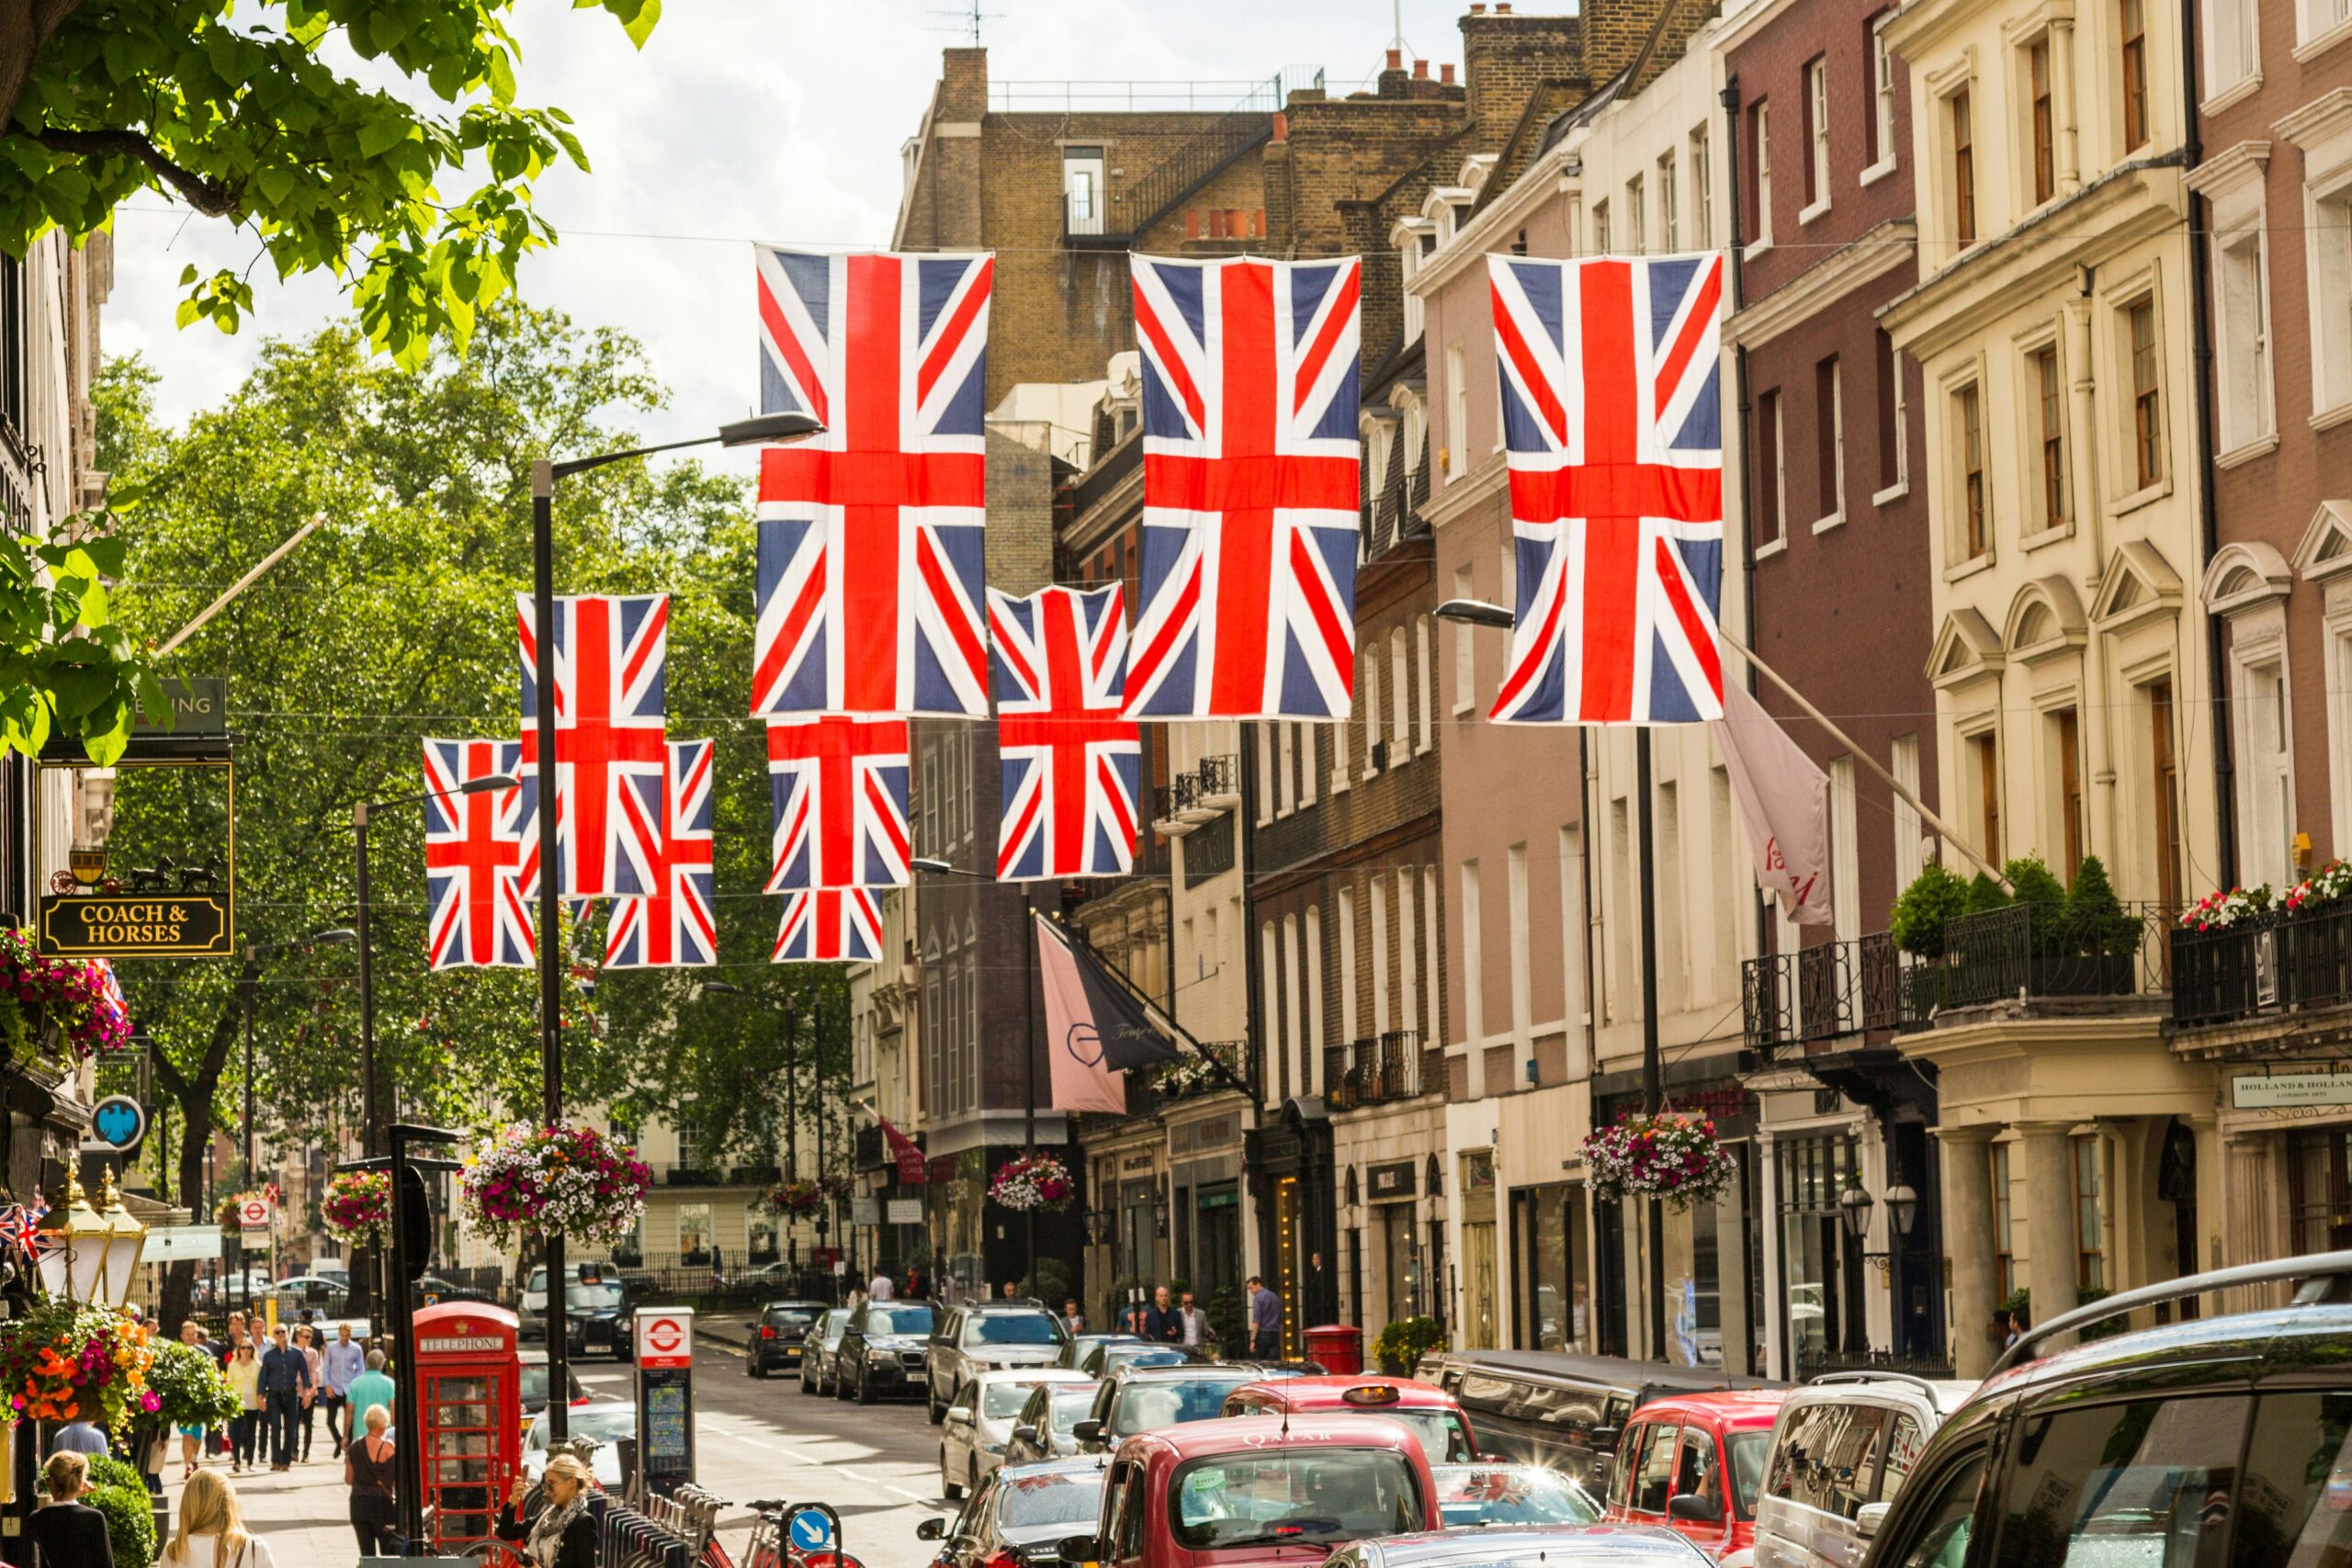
(570, 466)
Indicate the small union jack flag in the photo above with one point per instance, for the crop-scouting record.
(676, 926)
(1614, 428)
(20, 1222)
(1073, 766)
(869, 534)
(1250, 489)
(610, 659)
(474, 860)
(836, 925)
(839, 784)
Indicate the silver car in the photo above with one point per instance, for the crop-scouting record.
(980, 1418)
(1041, 1430)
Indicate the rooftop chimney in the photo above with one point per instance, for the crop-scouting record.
(1445, 75)
(1477, 7)
(1396, 60)
(1420, 70)
(1502, 8)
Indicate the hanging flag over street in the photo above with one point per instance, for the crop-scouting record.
(1613, 425)
(676, 925)
(1095, 1029)
(611, 655)
(869, 535)
(1251, 461)
(1784, 803)
(838, 925)
(1073, 767)
(840, 790)
(474, 860)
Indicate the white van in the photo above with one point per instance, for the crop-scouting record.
(1841, 1448)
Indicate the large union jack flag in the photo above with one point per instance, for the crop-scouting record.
(474, 860)
(1250, 489)
(1073, 766)
(677, 924)
(1615, 434)
(609, 659)
(839, 784)
(831, 925)
(870, 557)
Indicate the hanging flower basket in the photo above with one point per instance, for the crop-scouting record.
(1032, 1182)
(1671, 1155)
(792, 1198)
(69, 997)
(64, 1362)
(524, 1180)
(358, 1206)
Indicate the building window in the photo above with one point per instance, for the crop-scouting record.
(1669, 222)
(2091, 1244)
(2134, 30)
(1760, 120)
(1457, 412)
(1465, 651)
(2165, 781)
(1286, 769)
(2147, 411)
(1082, 189)
(2268, 764)
(1371, 716)
(2229, 43)
(697, 1237)
(2045, 130)
(1829, 438)
(1601, 227)
(2051, 401)
(1892, 415)
(2246, 338)
(1968, 424)
(2324, 16)
(1964, 172)
(1771, 470)
(1425, 693)
(1400, 697)
(1816, 133)
(1636, 218)
(2066, 742)
(2319, 1189)
(2331, 299)
(2005, 1270)
(1985, 767)
(1909, 860)
(1702, 193)
(1881, 126)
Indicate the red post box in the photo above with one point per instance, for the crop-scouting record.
(1339, 1347)
(469, 1401)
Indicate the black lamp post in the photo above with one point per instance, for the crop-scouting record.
(765, 430)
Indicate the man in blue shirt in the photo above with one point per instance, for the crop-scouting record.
(341, 1362)
(284, 1375)
(1265, 1321)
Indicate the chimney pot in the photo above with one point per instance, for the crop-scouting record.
(1502, 8)
(1396, 60)
(1420, 70)
(1445, 75)
(1477, 7)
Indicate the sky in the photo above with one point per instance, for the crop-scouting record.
(740, 120)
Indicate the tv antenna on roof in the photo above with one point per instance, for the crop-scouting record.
(968, 20)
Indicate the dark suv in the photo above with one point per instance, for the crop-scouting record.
(779, 1335)
(881, 1353)
(2223, 1441)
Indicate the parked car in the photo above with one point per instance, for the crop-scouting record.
(610, 1422)
(1565, 1411)
(1103, 1359)
(1692, 1462)
(533, 1386)
(978, 1425)
(1041, 1430)
(973, 1339)
(818, 1351)
(1075, 1349)
(1145, 1399)
(531, 1309)
(1431, 1413)
(779, 1337)
(596, 1318)
(1842, 1443)
(1260, 1490)
(1486, 1494)
(2211, 1440)
(1559, 1546)
(1019, 1515)
(881, 1353)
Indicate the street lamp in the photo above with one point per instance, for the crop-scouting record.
(91, 1252)
(1854, 1206)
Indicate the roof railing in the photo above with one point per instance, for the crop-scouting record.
(2311, 1267)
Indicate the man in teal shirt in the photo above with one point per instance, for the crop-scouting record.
(371, 1387)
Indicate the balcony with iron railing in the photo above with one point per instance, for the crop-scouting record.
(2287, 964)
(1206, 789)
(1381, 1070)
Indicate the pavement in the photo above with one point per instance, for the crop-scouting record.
(754, 1438)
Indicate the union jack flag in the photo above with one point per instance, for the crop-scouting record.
(1073, 767)
(20, 1222)
(610, 654)
(474, 860)
(1614, 428)
(870, 557)
(831, 925)
(676, 925)
(1250, 489)
(839, 784)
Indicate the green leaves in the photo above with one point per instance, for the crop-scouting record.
(64, 667)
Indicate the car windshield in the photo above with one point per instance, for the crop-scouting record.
(1443, 1437)
(1072, 1404)
(1117, 1356)
(1295, 1496)
(1012, 1328)
(1511, 1495)
(1002, 1401)
(1148, 1406)
(1748, 1452)
(779, 1317)
(835, 1321)
(898, 1319)
(604, 1425)
(1067, 1499)
(591, 1297)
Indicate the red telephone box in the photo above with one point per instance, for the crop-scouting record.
(468, 1399)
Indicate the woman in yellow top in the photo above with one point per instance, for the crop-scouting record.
(245, 1378)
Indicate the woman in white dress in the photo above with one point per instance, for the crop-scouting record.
(212, 1532)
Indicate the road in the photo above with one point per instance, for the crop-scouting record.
(877, 1464)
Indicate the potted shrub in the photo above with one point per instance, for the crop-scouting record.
(118, 1492)
(2101, 930)
(1937, 896)
(1399, 1348)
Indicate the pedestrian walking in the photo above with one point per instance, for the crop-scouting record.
(879, 1289)
(341, 1360)
(1265, 1321)
(562, 1534)
(285, 1379)
(66, 1531)
(305, 1341)
(1159, 1321)
(245, 1381)
(371, 1387)
(1073, 1319)
(211, 1532)
(1192, 1323)
(192, 1437)
(235, 1334)
(367, 1470)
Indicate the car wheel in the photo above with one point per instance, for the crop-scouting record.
(865, 1389)
(751, 1365)
(936, 1412)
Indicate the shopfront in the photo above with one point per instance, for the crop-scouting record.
(1481, 1281)
(1204, 1172)
(1714, 1309)
(1555, 1269)
(1290, 1171)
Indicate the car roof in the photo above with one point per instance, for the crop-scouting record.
(1110, 1339)
(1946, 1394)
(1265, 1433)
(1612, 1544)
(597, 1407)
(1187, 1371)
(799, 1302)
(1733, 1408)
(1031, 1375)
(1607, 1371)
(1064, 1466)
(997, 1309)
(1330, 1390)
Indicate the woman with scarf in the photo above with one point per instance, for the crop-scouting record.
(562, 1534)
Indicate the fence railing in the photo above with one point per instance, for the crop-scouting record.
(1862, 987)
(2277, 962)
(1381, 1069)
(1203, 783)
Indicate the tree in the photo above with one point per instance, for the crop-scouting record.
(243, 117)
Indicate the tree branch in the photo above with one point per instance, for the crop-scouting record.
(25, 29)
(214, 198)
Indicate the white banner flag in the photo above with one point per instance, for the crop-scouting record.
(1784, 800)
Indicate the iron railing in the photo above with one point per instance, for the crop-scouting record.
(1205, 781)
(2277, 962)
(1833, 991)
(1814, 1359)
(1381, 1069)
(2040, 950)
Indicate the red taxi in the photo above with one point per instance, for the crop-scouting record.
(1429, 1412)
(1260, 1490)
(1693, 1462)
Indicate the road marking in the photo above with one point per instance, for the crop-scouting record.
(910, 1496)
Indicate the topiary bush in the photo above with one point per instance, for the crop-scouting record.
(1984, 894)
(1936, 896)
(2095, 918)
(129, 1515)
(1400, 1347)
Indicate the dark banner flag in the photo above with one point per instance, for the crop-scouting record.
(1094, 1027)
